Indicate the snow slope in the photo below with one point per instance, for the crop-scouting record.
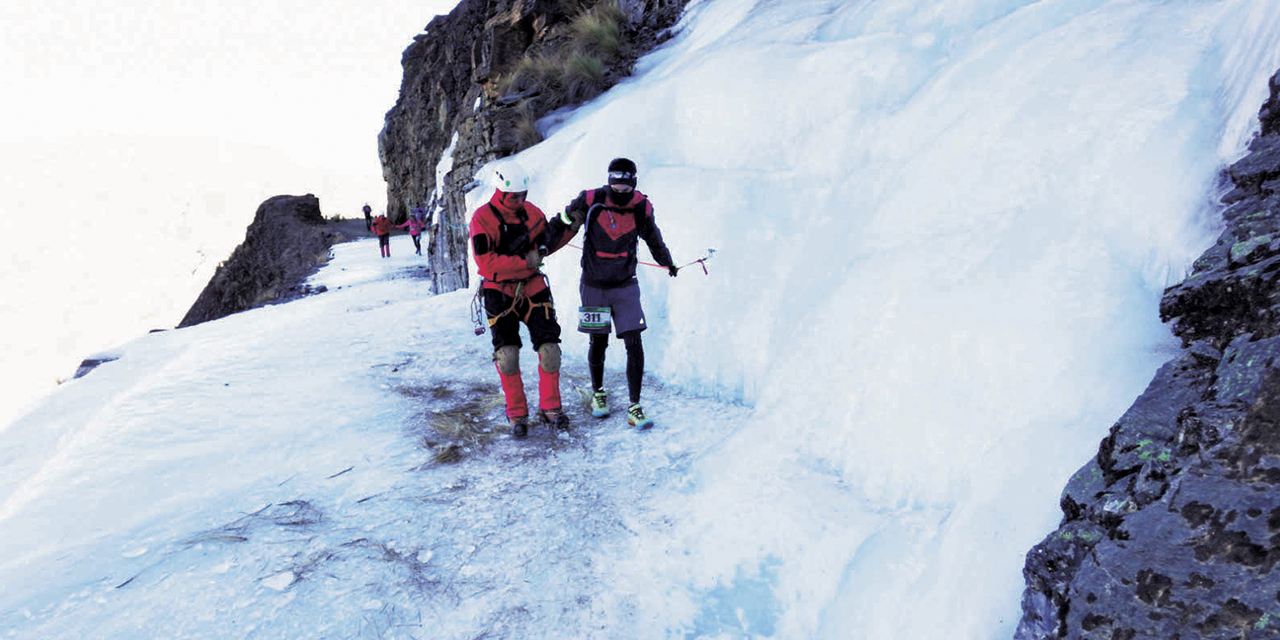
(273, 474)
(941, 237)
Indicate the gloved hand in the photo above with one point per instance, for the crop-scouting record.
(673, 270)
(533, 259)
(574, 218)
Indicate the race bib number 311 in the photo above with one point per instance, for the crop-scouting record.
(594, 319)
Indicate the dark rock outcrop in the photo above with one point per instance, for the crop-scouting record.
(1172, 531)
(93, 362)
(286, 242)
(452, 105)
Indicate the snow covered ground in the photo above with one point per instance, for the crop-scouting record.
(275, 474)
(941, 235)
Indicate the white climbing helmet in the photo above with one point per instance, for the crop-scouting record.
(510, 177)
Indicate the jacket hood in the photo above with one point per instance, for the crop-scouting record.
(496, 201)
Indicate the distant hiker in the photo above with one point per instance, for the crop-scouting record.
(616, 217)
(420, 212)
(416, 225)
(508, 243)
(368, 217)
(382, 227)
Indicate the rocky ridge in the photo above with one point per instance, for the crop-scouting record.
(452, 106)
(287, 241)
(1172, 531)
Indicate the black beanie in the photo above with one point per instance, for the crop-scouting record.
(622, 171)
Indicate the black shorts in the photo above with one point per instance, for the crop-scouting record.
(537, 312)
(623, 304)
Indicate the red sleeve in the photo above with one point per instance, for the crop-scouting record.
(484, 239)
(537, 224)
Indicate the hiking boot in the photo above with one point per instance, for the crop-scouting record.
(555, 419)
(636, 417)
(599, 404)
(519, 427)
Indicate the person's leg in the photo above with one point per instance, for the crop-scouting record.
(549, 378)
(507, 361)
(505, 333)
(598, 299)
(635, 363)
(635, 374)
(544, 332)
(629, 321)
(595, 360)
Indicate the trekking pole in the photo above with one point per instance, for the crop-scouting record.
(700, 261)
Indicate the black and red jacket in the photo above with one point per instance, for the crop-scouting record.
(500, 239)
(611, 235)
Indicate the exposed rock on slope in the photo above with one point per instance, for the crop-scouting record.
(452, 106)
(286, 242)
(1173, 530)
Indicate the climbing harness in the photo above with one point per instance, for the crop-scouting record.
(479, 313)
(515, 300)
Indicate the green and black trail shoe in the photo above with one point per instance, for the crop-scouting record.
(599, 404)
(636, 417)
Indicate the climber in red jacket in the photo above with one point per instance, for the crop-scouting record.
(508, 242)
(382, 227)
(416, 223)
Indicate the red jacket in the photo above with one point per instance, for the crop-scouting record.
(415, 226)
(500, 239)
(381, 225)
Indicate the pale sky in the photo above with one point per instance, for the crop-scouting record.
(270, 71)
(138, 138)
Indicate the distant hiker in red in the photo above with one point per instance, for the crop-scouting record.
(382, 227)
(508, 243)
(416, 225)
(616, 217)
(368, 217)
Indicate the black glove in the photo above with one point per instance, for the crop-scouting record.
(573, 218)
(673, 270)
(533, 259)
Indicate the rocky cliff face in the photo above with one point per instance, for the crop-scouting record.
(1173, 530)
(456, 104)
(287, 240)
